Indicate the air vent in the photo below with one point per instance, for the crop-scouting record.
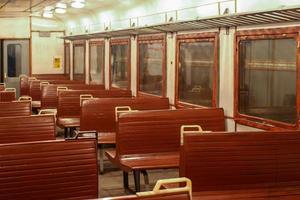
(45, 34)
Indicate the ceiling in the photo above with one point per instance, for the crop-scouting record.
(17, 8)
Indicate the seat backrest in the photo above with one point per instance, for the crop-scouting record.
(220, 161)
(24, 86)
(11, 109)
(49, 97)
(147, 131)
(27, 128)
(49, 170)
(35, 90)
(7, 96)
(99, 114)
(69, 101)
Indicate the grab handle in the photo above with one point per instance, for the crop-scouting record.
(60, 89)
(43, 83)
(121, 109)
(157, 188)
(196, 129)
(85, 97)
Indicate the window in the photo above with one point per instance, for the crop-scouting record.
(120, 63)
(266, 78)
(79, 61)
(151, 65)
(67, 59)
(14, 60)
(97, 62)
(197, 70)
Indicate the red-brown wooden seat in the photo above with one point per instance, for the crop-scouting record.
(35, 93)
(49, 99)
(151, 139)
(179, 193)
(49, 170)
(68, 110)
(27, 128)
(2, 86)
(245, 165)
(8, 95)
(99, 114)
(11, 109)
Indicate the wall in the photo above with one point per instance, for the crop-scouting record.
(15, 27)
(44, 49)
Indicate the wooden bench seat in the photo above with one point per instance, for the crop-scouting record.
(180, 193)
(245, 165)
(99, 114)
(27, 128)
(7, 95)
(151, 139)
(49, 99)
(68, 110)
(11, 109)
(49, 170)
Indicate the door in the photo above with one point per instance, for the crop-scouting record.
(15, 62)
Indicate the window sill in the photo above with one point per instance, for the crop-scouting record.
(264, 125)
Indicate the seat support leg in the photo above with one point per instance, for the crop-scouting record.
(125, 180)
(101, 150)
(65, 132)
(137, 183)
(146, 177)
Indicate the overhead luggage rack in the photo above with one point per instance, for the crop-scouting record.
(284, 15)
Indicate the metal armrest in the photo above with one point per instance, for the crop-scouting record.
(85, 134)
(157, 188)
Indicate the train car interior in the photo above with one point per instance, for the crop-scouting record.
(150, 99)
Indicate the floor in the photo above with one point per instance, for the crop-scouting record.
(111, 181)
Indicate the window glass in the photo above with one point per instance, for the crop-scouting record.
(267, 79)
(14, 60)
(79, 63)
(67, 59)
(150, 68)
(97, 64)
(119, 66)
(196, 73)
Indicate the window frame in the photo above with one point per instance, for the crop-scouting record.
(67, 44)
(259, 34)
(198, 37)
(150, 40)
(78, 44)
(96, 43)
(120, 41)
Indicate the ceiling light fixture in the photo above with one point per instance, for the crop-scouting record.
(61, 8)
(47, 14)
(78, 3)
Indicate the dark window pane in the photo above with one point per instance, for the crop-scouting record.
(119, 66)
(97, 64)
(267, 79)
(196, 77)
(14, 60)
(150, 68)
(79, 63)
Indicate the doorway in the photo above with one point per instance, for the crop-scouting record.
(14, 62)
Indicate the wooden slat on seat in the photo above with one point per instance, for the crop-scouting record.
(7, 96)
(99, 114)
(49, 170)
(11, 109)
(260, 165)
(27, 128)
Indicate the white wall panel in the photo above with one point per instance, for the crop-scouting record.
(44, 49)
(133, 72)
(15, 27)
